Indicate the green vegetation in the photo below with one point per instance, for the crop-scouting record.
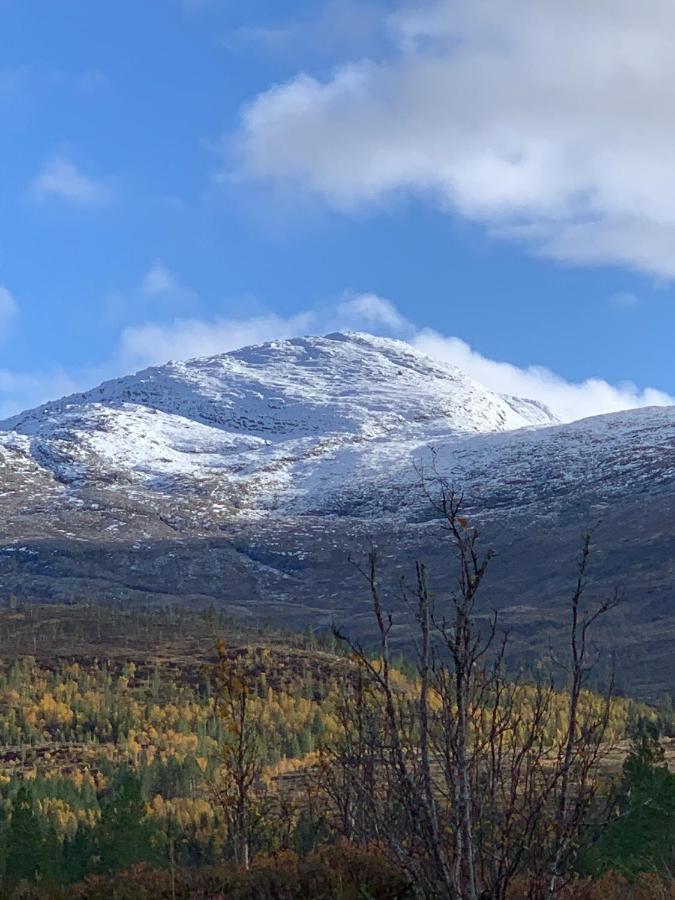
(167, 754)
(640, 835)
(111, 761)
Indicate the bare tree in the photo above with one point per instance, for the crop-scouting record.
(238, 788)
(578, 752)
(460, 773)
(349, 764)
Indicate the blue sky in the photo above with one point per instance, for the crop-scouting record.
(182, 176)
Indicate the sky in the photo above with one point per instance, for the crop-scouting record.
(491, 181)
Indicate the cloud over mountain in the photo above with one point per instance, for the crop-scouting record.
(547, 123)
(153, 343)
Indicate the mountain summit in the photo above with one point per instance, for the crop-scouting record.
(349, 382)
(261, 409)
(247, 478)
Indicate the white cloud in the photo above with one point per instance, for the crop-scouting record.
(568, 400)
(154, 343)
(8, 309)
(370, 311)
(62, 180)
(547, 122)
(159, 280)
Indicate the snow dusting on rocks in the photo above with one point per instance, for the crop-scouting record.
(269, 416)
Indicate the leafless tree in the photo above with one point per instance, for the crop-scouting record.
(460, 773)
(238, 788)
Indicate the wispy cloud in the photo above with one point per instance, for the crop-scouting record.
(152, 343)
(331, 28)
(370, 311)
(624, 300)
(159, 280)
(24, 390)
(160, 293)
(8, 309)
(568, 400)
(60, 179)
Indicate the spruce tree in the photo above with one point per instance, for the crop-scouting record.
(30, 854)
(125, 834)
(642, 835)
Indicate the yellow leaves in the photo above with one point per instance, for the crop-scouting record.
(156, 713)
(133, 747)
(10, 698)
(54, 712)
(185, 812)
(59, 814)
(286, 766)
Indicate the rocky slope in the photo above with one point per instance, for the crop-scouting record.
(249, 477)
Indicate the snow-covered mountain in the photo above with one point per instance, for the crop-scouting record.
(248, 477)
(261, 421)
(342, 383)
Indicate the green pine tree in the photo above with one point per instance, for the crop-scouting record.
(642, 835)
(126, 836)
(31, 855)
(78, 854)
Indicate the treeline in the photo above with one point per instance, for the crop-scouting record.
(98, 712)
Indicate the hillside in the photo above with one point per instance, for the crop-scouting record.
(242, 422)
(248, 478)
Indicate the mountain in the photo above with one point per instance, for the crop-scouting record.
(271, 428)
(248, 478)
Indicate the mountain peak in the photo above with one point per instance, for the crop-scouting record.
(348, 382)
(247, 478)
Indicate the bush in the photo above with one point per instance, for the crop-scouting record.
(340, 872)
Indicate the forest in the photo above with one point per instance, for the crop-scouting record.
(173, 753)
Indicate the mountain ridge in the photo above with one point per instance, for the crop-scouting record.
(330, 361)
(246, 479)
